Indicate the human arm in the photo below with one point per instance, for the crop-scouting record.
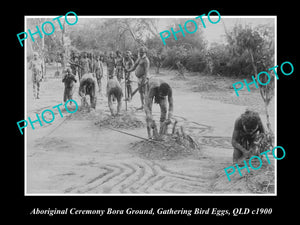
(101, 67)
(236, 136)
(123, 62)
(75, 64)
(171, 106)
(42, 69)
(147, 66)
(261, 128)
(73, 78)
(64, 78)
(148, 110)
(132, 68)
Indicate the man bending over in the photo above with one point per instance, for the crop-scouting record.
(114, 91)
(246, 129)
(88, 87)
(160, 92)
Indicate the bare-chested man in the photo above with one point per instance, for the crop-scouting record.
(110, 64)
(119, 60)
(73, 62)
(161, 92)
(88, 87)
(114, 91)
(84, 65)
(141, 67)
(246, 128)
(128, 63)
(97, 69)
(68, 80)
(36, 66)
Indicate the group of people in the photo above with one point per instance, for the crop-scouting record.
(90, 71)
(118, 68)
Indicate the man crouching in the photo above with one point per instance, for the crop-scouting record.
(88, 87)
(247, 127)
(114, 91)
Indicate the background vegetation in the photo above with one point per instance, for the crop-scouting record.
(245, 50)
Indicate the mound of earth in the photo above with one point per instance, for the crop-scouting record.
(169, 147)
(261, 181)
(124, 121)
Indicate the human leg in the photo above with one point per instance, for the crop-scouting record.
(163, 116)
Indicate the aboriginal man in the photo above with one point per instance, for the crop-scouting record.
(114, 91)
(246, 128)
(141, 67)
(161, 92)
(88, 87)
(68, 80)
(84, 65)
(97, 69)
(36, 65)
(128, 63)
(110, 64)
(119, 60)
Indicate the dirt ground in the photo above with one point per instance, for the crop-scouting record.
(78, 154)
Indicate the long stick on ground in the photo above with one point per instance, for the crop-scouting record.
(136, 90)
(145, 139)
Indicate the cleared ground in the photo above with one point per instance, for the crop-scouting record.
(75, 154)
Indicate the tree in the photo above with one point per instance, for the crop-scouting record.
(259, 45)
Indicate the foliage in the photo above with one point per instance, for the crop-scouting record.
(234, 58)
(195, 60)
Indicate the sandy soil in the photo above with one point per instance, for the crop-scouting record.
(75, 154)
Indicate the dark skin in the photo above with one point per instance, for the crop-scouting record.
(128, 62)
(243, 137)
(153, 90)
(69, 80)
(88, 87)
(142, 67)
(114, 90)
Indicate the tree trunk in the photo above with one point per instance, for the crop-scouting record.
(263, 90)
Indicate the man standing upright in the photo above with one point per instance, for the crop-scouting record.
(98, 70)
(84, 65)
(74, 63)
(119, 66)
(36, 66)
(128, 63)
(68, 80)
(141, 67)
(110, 64)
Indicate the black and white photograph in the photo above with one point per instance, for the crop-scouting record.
(151, 105)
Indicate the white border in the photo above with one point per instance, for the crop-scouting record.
(164, 194)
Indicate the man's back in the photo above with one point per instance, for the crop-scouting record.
(114, 87)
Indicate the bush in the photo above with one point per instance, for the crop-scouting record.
(172, 55)
(196, 60)
(192, 59)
